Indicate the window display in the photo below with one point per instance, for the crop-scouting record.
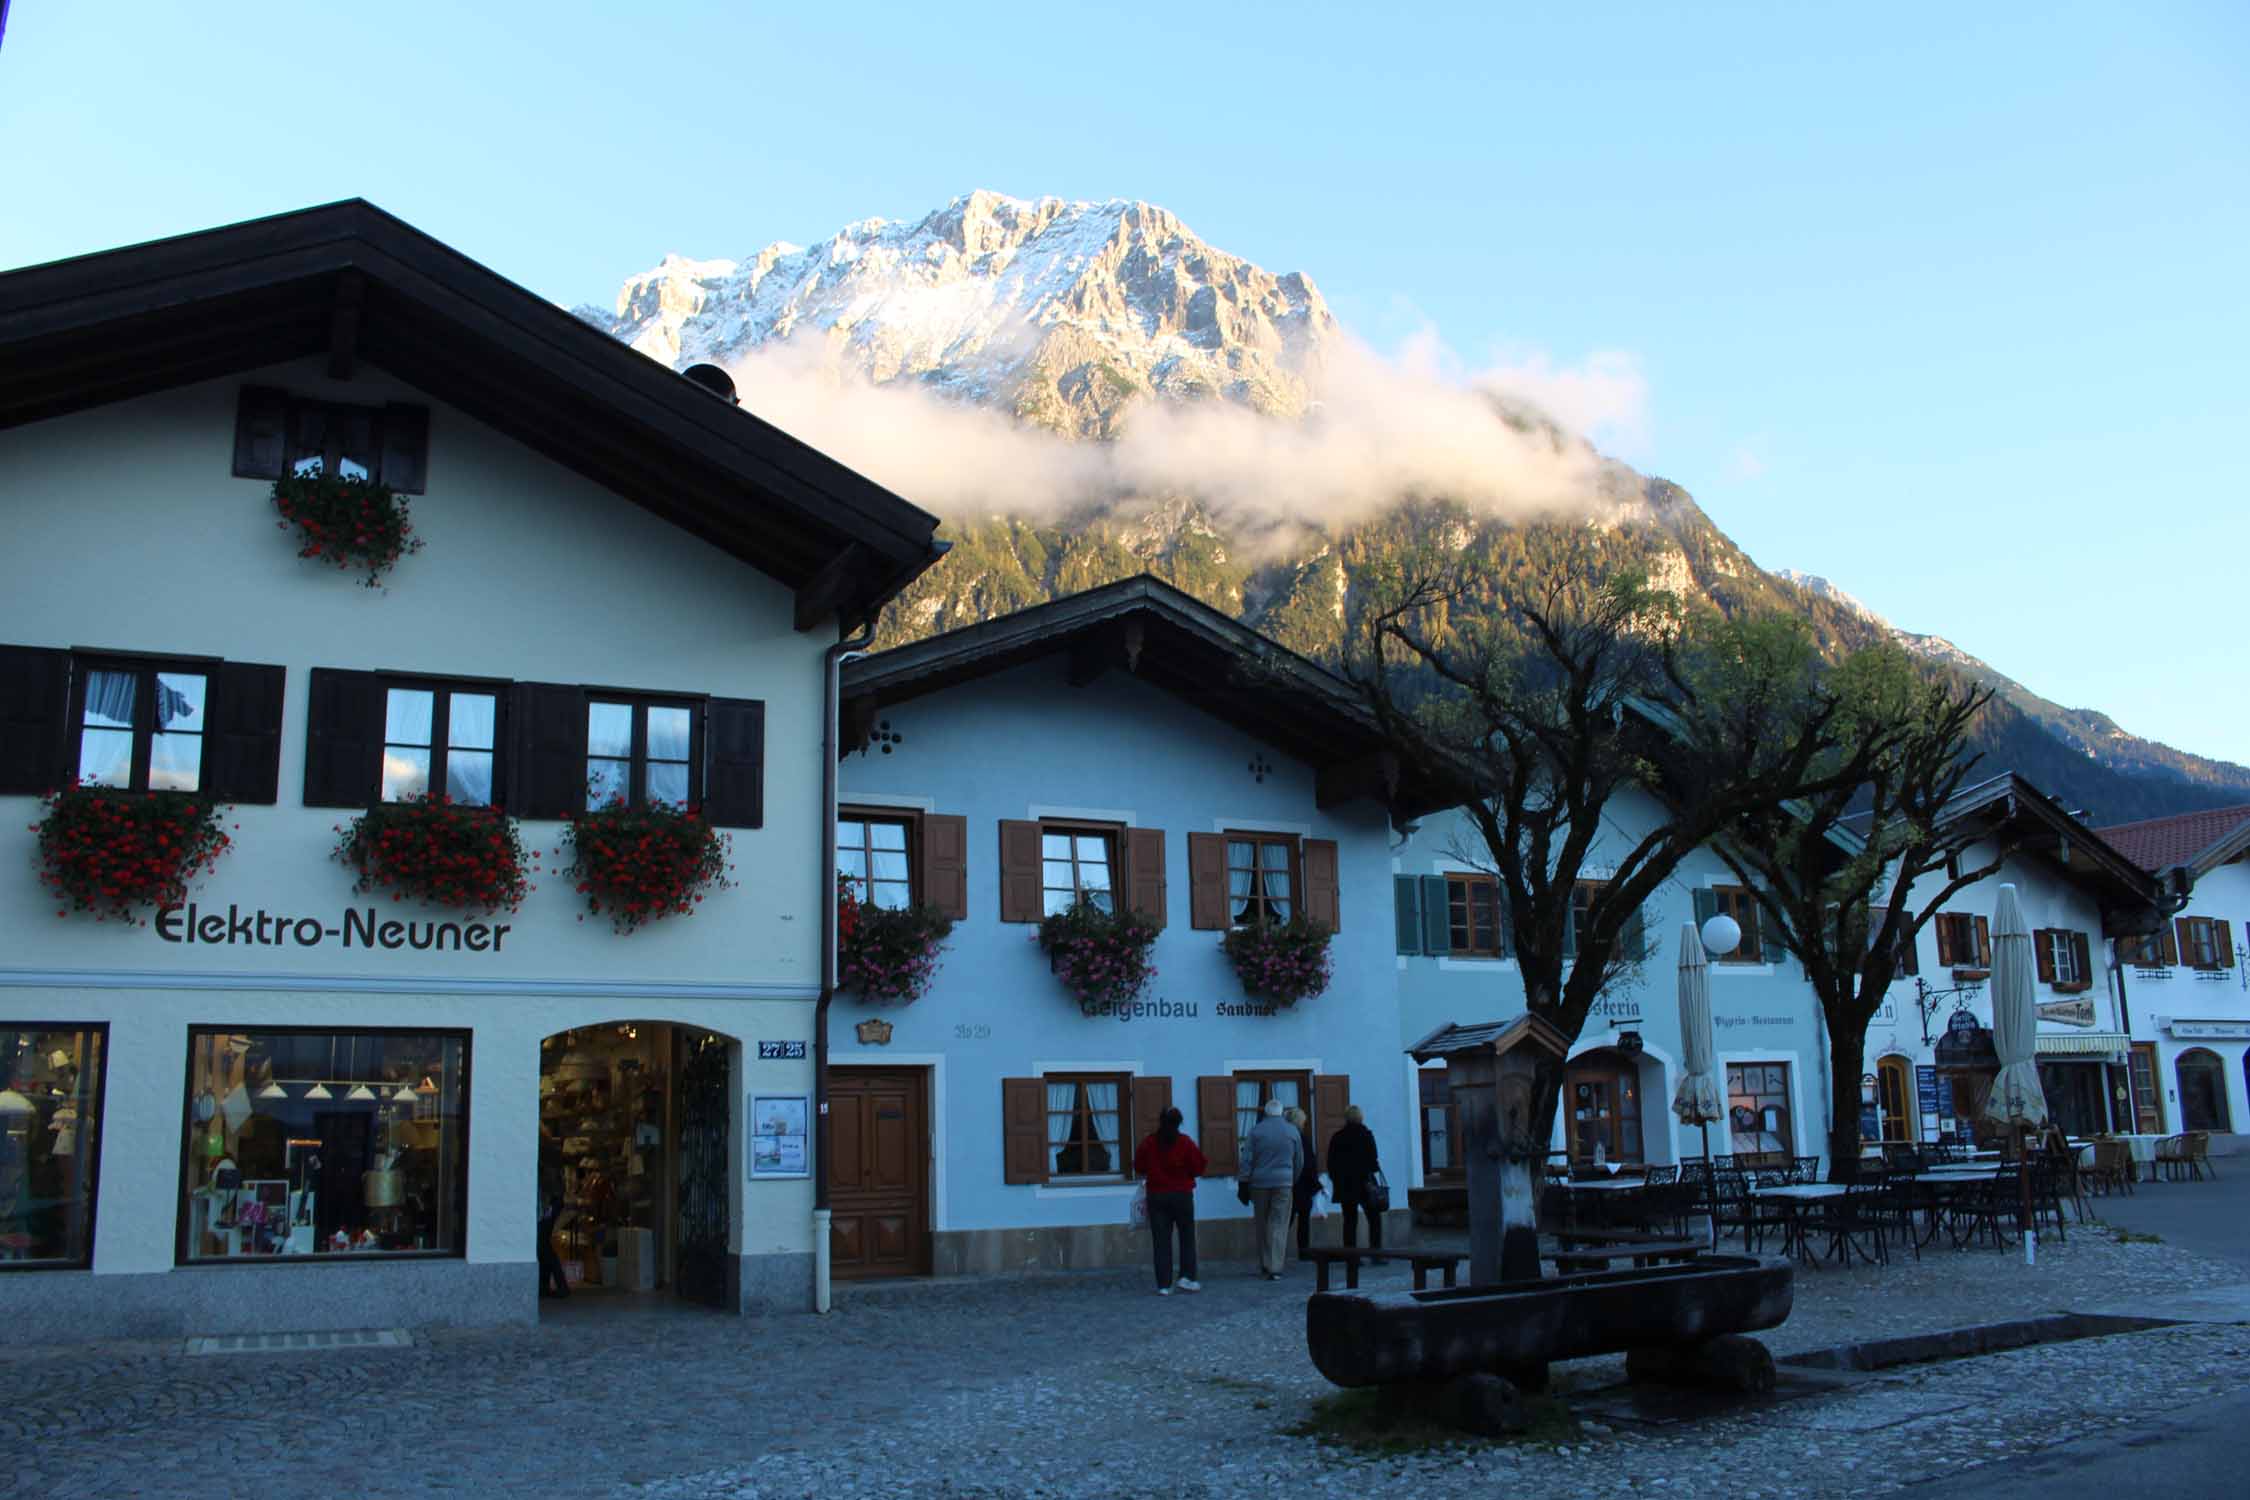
(50, 1119)
(325, 1143)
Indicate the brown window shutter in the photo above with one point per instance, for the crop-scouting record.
(1019, 872)
(1944, 939)
(343, 738)
(34, 720)
(1144, 878)
(734, 754)
(945, 864)
(2042, 942)
(1331, 1096)
(2171, 950)
(547, 772)
(1151, 1097)
(2187, 939)
(405, 462)
(1023, 1126)
(242, 748)
(2222, 941)
(261, 432)
(1984, 943)
(2083, 950)
(1207, 884)
(1214, 1123)
(1323, 902)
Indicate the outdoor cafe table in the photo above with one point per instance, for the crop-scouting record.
(1794, 1197)
(1602, 1185)
(1941, 1181)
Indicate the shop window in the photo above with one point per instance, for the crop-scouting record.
(876, 854)
(2203, 1090)
(50, 1143)
(1758, 1112)
(438, 738)
(640, 754)
(1603, 1095)
(1440, 1127)
(1261, 877)
(1473, 916)
(312, 1143)
(1087, 1126)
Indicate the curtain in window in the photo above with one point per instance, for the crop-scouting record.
(1062, 1114)
(1246, 1103)
(109, 698)
(1274, 862)
(1241, 880)
(1101, 1099)
(179, 701)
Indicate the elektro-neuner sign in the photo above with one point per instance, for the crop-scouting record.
(364, 927)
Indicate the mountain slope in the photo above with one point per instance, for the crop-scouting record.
(1111, 321)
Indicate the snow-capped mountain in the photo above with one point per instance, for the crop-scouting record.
(1063, 313)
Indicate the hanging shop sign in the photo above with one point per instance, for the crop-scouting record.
(354, 927)
(2078, 1012)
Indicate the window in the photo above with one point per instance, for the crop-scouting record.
(875, 853)
(1473, 910)
(439, 738)
(2152, 950)
(1964, 941)
(640, 753)
(304, 1143)
(140, 726)
(1758, 1112)
(2064, 959)
(1252, 1091)
(1603, 1094)
(2148, 1100)
(276, 433)
(1439, 1126)
(2203, 1090)
(1261, 877)
(2205, 943)
(1075, 862)
(1740, 903)
(50, 1142)
(1086, 1124)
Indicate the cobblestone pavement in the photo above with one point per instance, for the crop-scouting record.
(1082, 1385)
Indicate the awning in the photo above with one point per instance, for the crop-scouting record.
(2084, 1043)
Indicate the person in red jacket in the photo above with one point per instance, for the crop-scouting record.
(1168, 1163)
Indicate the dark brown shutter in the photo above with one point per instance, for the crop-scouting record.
(242, 745)
(945, 864)
(2043, 945)
(1323, 902)
(547, 741)
(1214, 1124)
(1144, 875)
(261, 432)
(405, 464)
(1331, 1096)
(1151, 1097)
(1207, 882)
(734, 781)
(1945, 939)
(34, 720)
(2187, 939)
(343, 739)
(2171, 950)
(2082, 949)
(1019, 871)
(1023, 1129)
(1984, 943)
(2222, 942)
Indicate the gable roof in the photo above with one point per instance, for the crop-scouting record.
(1175, 642)
(2046, 829)
(351, 281)
(2198, 842)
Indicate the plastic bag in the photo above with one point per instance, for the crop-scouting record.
(1136, 1212)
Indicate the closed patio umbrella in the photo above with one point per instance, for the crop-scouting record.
(1697, 1100)
(2016, 1101)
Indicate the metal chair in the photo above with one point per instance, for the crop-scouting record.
(1805, 1169)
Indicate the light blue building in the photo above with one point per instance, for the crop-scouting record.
(1136, 744)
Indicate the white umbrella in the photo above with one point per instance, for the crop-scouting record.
(1697, 1101)
(2016, 1101)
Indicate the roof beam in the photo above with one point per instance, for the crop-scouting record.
(343, 324)
(1374, 775)
(1115, 644)
(838, 581)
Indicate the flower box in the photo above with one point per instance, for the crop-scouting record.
(346, 521)
(1101, 956)
(1282, 961)
(643, 864)
(886, 953)
(433, 849)
(112, 852)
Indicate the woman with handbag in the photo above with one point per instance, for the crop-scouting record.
(1168, 1162)
(1358, 1179)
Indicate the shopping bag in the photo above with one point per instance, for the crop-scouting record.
(1136, 1212)
(1378, 1195)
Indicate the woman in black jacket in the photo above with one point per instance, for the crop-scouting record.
(1351, 1166)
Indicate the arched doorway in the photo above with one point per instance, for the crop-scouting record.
(2203, 1090)
(1898, 1114)
(635, 1146)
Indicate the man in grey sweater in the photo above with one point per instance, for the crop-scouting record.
(1272, 1156)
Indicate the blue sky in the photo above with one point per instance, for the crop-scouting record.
(1945, 303)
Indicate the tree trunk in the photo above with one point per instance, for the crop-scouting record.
(1847, 1062)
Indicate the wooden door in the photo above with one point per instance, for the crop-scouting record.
(2148, 1101)
(1894, 1090)
(878, 1173)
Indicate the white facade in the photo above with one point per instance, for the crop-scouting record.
(2197, 1009)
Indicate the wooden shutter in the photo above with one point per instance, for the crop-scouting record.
(343, 739)
(1706, 906)
(261, 432)
(1945, 939)
(734, 751)
(1406, 909)
(1331, 1096)
(1323, 900)
(405, 461)
(1151, 1097)
(1019, 872)
(1437, 918)
(1984, 943)
(945, 863)
(1770, 946)
(1144, 881)
(1214, 1124)
(2082, 949)
(547, 777)
(1906, 961)
(2170, 949)
(2045, 948)
(1023, 1129)
(2222, 940)
(242, 745)
(1207, 883)
(34, 720)
(2187, 939)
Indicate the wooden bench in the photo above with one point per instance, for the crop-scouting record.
(1568, 1238)
(1640, 1252)
(1353, 1256)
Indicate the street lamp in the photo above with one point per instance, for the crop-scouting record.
(1721, 935)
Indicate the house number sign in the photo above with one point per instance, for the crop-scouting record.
(781, 1051)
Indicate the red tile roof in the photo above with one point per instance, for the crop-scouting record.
(2159, 843)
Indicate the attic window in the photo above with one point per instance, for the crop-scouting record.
(276, 433)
